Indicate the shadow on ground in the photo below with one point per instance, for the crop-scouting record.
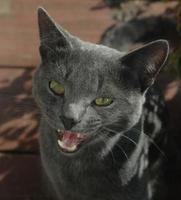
(19, 114)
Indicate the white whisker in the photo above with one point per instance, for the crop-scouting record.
(102, 138)
(121, 148)
(128, 138)
(152, 141)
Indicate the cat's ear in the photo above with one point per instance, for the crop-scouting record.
(52, 37)
(147, 61)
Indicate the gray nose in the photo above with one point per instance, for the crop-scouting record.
(67, 122)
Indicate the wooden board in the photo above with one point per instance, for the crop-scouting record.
(19, 31)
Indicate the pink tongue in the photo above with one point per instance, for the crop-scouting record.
(69, 138)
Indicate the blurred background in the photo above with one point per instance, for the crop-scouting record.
(114, 23)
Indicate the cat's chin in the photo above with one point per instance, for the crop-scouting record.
(70, 142)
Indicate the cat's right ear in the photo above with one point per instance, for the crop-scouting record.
(53, 39)
(147, 61)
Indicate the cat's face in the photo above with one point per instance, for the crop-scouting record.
(84, 90)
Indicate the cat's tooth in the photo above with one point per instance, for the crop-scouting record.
(61, 144)
(58, 130)
(79, 135)
(70, 149)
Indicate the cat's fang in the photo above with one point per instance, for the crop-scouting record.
(58, 130)
(67, 148)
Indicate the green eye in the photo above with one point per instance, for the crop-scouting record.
(102, 101)
(56, 88)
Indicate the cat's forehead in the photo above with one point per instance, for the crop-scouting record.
(99, 53)
(91, 57)
(82, 80)
(86, 69)
(82, 74)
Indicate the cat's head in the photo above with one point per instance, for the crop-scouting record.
(85, 89)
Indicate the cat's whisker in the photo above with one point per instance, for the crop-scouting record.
(103, 140)
(120, 147)
(131, 140)
(152, 141)
(123, 151)
(128, 138)
(146, 135)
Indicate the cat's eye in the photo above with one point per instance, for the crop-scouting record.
(103, 101)
(57, 88)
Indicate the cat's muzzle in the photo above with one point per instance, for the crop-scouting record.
(69, 141)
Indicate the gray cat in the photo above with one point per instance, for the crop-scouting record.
(92, 139)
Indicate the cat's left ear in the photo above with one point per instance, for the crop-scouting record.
(147, 61)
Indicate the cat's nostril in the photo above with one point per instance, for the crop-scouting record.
(67, 122)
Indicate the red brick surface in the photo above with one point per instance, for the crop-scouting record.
(20, 177)
(19, 31)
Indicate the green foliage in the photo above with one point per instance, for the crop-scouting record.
(174, 64)
(175, 57)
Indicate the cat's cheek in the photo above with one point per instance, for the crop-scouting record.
(136, 115)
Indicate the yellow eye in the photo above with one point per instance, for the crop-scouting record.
(103, 101)
(56, 88)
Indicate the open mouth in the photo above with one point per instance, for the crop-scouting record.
(69, 141)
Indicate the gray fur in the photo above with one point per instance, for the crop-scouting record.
(101, 169)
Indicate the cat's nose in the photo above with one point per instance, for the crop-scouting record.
(67, 122)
